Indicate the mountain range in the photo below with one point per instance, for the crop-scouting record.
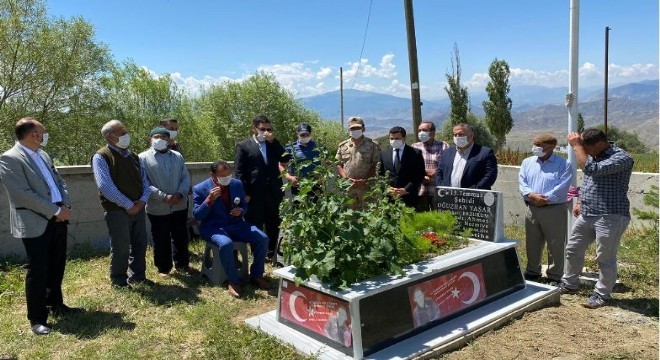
(632, 107)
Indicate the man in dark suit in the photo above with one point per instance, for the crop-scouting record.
(219, 206)
(257, 167)
(39, 209)
(405, 165)
(467, 165)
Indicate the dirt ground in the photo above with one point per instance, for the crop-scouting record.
(569, 331)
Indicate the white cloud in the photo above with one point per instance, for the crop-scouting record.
(323, 73)
(308, 78)
(385, 70)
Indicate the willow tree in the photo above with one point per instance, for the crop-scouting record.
(498, 107)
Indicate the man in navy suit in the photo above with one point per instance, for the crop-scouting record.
(467, 165)
(219, 205)
(257, 166)
(405, 165)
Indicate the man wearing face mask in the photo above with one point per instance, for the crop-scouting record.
(544, 179)
(167, 206)
(39, 209)
(172, 126)
(466, 165)
(358, 157)
(219, 205)
(257, 166)
(404, 166)
(431, 150)
(303, 155)
(124, 191)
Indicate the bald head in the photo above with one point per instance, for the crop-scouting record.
(26, 126)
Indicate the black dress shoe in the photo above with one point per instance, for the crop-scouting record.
(39, 329)
(64, 310)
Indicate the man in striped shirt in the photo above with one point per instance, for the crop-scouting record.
(431, 151)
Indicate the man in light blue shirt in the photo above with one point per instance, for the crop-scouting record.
(167, 207)
(544, 180)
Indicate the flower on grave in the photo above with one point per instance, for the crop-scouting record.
(432, 236)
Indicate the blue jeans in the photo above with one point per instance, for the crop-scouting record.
(242, 232)
(606, 230)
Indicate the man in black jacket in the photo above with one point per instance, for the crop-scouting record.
(257, 167)
(405, 165)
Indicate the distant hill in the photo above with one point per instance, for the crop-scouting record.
(632, 107)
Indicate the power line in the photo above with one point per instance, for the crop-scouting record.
(364, 40)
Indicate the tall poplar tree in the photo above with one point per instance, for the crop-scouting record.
(458, 95)
(498, 107)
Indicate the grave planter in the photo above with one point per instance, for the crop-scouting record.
(376, 313)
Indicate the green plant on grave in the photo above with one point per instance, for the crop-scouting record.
(430, 234)
(323, 236)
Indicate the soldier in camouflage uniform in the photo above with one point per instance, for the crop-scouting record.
(358, 157)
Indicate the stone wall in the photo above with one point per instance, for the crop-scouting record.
(88, 227)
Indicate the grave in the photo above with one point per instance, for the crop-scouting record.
(435, 304)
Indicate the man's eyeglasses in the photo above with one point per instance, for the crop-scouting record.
(265, 129)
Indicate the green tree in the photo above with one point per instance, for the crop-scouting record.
(625, 140)
(580, 123)
(482, 135)
(498, 107)
(48, 67)
(229, 108)
(458, 95)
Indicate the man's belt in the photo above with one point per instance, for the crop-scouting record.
(541, 206)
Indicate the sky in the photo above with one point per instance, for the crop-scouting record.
(303, 43)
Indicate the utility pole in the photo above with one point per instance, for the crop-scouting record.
(572, 96)
(607, 67)
(341, 95)
(412, 61)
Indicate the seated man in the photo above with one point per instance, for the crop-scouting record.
(219, 206)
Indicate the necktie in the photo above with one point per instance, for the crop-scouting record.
(262, 148)
(397, 160)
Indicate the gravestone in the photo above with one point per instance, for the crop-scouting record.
(481, 211)
(435, 302)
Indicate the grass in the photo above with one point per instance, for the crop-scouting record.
(182, 317)
(638, 268)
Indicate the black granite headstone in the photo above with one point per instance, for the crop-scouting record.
(474, 209)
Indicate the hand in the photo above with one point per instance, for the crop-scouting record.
(64, 215)
(138, 205)
(168, 199)
(236, 212)
(215, 193)
(430, 173)
(269, 136)
(292, 179)
(576, 210)
(574, 139)
(398, 191)
(247, 199)
(176, 198)
(427, 180)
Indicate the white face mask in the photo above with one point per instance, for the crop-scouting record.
(124, 141)
(461, 141)
(538, 151)
(397, 144)
(173, 134)
(261, 136)
(356, 134)
(224, 181)
(305, 140)
(44, 142)
(424, 136)
(159, 144)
